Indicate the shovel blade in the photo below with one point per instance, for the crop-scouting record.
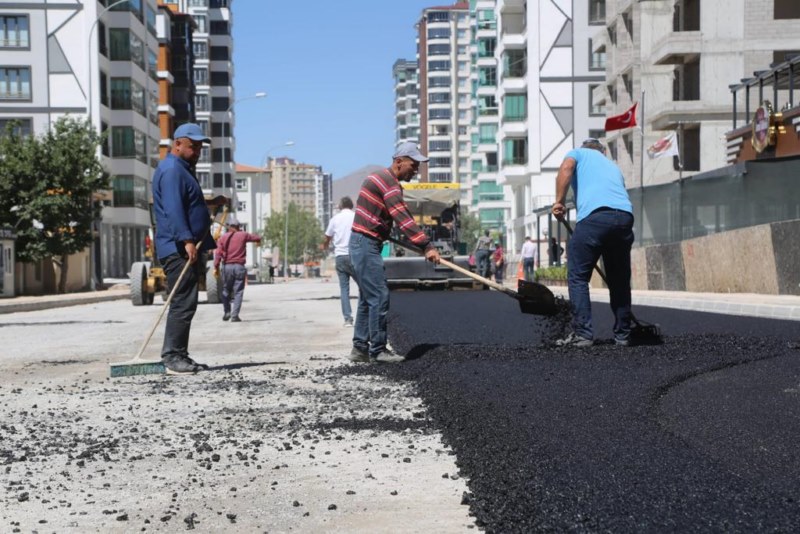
(535, 298)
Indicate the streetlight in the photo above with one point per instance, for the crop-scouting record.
(261, 194)
(92, 259)
(260, 94)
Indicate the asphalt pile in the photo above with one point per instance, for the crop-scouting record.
(698, 434)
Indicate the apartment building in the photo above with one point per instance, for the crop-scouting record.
(406, 97)
(301, 183)
(212, 74)
(97, 61)
(677, 59)
(543, 77)
(445, 99)
(175, 72)
(252, 186)
(487, 199)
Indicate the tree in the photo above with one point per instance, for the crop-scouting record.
(470, 229)
(305, 233)
(46, 186)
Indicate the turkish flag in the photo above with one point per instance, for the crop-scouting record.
(626, 120)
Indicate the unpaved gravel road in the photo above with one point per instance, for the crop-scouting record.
(278, 437)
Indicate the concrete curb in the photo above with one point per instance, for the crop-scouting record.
(25, 304)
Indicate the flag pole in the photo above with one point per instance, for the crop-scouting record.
(641, 153)
(680, 159)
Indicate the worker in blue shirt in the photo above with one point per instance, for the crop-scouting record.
(603, 228)
(182, 233)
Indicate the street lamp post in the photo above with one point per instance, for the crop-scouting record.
(260, 94)
(89, 103)
(261, 193)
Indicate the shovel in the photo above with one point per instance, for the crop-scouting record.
(641, 333)
(536, 299)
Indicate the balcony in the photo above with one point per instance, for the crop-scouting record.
(513, 174)
(677, 48)
(667, 115)
(514, 127)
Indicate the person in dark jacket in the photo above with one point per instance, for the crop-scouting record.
(182, 234)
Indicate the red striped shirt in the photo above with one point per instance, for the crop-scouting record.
(380, 204)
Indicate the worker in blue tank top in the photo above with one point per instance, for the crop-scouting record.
(604, 228)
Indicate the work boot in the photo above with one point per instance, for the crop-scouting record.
(179, 366)
(574, 340)
(236, 319)
(358, 356)
(226, 316)
(200, 366)
(622, 341)
(387, 356)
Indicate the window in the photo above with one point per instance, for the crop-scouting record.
(486, 47)
(515, 151)
(217, 155)
(220, 103)
(128, 142)
(220, 129)
(439, 146)
(686, 81)
(130, 192)
(487, 105)
(219, 53)
(202, 23)
(439, 177)
(787, 9)
(134, 6)
(151, 20)
(439, 162)
(597, 60)
(487, 76)
(220, 78)
(218, 180)
(515, 108)
(597, 134)
(102, 45)
(439, 50)
(438, 16)
(439, 81)
(205, 180)
(216, 4)
(597, 11)
(595, 109)
(14, 31)
(126, 46)
(201, 103)
(438, 33)
(439, 98)
(434, 66)
(515, 63)
(198, 3)
(152, 65)
(686, 16)
(200, 76)
(127, 94)
(15, 83)
(241, 185)
(20, 127)
(689, 147)
(219, 27)
(103, 88)
(200, 50)
(439, 113)
(487, 133)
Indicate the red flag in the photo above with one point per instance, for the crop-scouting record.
(626, 120)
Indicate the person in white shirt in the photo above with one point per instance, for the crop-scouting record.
(338, 231)
(528, 254)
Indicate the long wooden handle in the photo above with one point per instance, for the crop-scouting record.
(458, 268)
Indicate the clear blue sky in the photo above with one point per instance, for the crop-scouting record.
(327, 70)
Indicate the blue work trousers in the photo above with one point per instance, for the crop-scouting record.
(344, 270)
(373, 294)
(605, 233)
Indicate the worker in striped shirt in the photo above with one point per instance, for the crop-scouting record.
(380, 205)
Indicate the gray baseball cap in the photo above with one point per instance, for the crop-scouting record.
(233, 221)
(409, 150)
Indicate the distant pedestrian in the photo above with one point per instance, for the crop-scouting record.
(182, 234)
(529, 262)
(498, 262)
(339, 230)
(232, 252)
(604, 228)
(380, 205)
(554, 252)
(481, 253)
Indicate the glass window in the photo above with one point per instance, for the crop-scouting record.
(515, 151)
(130, 191)
(487, 76)
(15, 83)
(128, 142)
(126, 46)
(438, 16)
(439, 50)
(595, 109)
(198, 3)
(241, 185)
(439, 98)
(438, 65)
(486, 47)
(439, 113)
(515, 107)
(200, 76)
(487, 133)
(20, 127)
(219, 27)
(439, 81)
(787, 9)
(597, 11)
(200, 50)
(202, 23)
(219, 53)
(152, 65)
(14, 31)
(597, 60)
(438, 33)
(201, 103)
(515, 63)
(151, 20)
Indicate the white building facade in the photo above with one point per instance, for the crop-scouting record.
(406, 98)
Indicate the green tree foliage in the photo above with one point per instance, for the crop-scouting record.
(46, 186)
(305, 233)
(470, 229)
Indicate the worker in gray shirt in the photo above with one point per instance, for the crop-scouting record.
(481, 254)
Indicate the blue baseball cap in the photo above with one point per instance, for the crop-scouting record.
(409, 150)
(191, 131)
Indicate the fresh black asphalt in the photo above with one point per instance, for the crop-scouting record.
(698, 434)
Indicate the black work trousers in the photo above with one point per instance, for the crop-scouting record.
(182, 307)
